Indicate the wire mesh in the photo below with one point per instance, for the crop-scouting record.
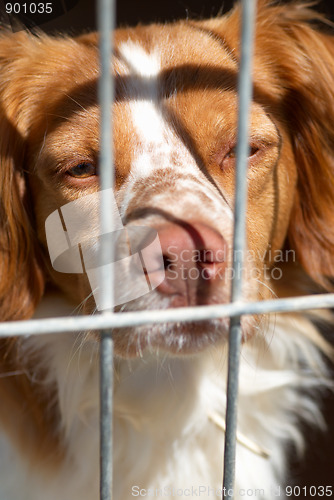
(108, 320)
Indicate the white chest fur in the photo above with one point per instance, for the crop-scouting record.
(165, 441)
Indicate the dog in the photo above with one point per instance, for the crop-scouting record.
(175, 135)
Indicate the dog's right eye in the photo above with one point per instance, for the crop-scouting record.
(230, 156)
(82, 170)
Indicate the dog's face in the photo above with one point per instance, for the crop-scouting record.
(175, 135)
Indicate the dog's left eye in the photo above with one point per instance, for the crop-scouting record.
(229, 158)
(233, 152)
(82, 170)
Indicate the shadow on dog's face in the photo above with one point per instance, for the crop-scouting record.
(175, 136)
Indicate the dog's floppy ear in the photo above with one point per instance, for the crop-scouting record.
(21, 281)
(303, 59)
(298, 91)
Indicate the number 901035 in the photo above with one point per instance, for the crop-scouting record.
(308, 491)
(29, 8)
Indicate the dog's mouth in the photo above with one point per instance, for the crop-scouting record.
(185, 277)
(175, 338)
(173, 265)
(190, 267)
(178, 339)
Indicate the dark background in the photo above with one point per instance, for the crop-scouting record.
(77, 16)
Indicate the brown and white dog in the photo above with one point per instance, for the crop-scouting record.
(175, 118)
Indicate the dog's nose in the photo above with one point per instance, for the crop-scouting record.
(194, 256)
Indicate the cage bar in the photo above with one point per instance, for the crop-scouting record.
(106, 22)
(128, 319)
(108, 320)
(239, 242)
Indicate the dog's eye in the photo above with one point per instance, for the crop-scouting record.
(82, 170)
(233, 152)
(229, 159)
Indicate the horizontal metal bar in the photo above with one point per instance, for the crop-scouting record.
(182, 314)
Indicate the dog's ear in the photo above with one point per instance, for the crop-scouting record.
(303, 60)
(21, 277)
(297, 59)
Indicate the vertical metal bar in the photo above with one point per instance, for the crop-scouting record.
(239, 242)
(106, 22)
(106, 410)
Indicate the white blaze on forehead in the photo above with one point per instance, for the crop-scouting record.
(144, 68)
(157, 140)
(159, 146)
(139, 61)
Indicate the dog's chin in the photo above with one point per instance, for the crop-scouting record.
(176, 339)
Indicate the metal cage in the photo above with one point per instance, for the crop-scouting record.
(105, 322)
